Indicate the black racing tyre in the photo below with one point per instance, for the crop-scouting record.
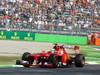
(79, 60)
(28, 58)
(17, 62)
(25, 56)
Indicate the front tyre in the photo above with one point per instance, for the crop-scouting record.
(79, 60)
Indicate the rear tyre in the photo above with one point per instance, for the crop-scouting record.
(25, 56)
(79, 60)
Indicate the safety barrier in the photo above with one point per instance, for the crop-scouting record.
(15, 35)
(69, 39)
(31, 36)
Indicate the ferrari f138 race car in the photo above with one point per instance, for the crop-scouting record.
(57, 57)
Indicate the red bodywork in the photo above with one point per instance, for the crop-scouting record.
(58, 55)
(58, 52)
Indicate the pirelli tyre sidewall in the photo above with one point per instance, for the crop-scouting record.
(79, 60)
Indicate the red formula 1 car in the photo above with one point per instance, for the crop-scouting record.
(58, 57)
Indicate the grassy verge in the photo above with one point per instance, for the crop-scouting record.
(90, 53)
(8, 60)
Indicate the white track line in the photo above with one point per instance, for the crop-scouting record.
(87, 63)
(92, 63)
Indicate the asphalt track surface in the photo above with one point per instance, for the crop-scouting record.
(87, 70)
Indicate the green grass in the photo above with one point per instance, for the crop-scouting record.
(8, 60)
(90, 53)
(92, 59)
